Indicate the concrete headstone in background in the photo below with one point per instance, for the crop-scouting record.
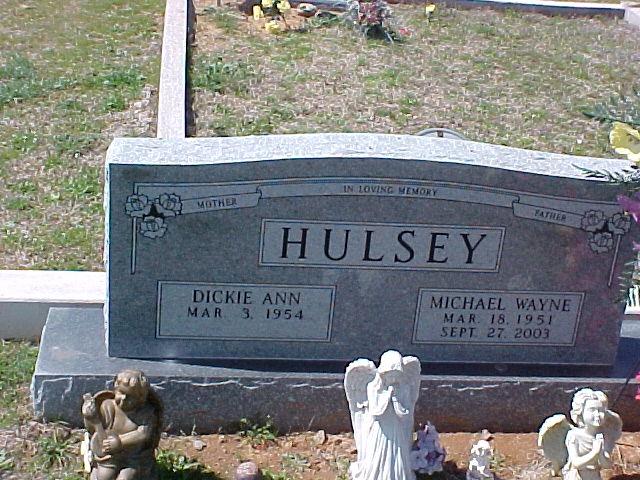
(337, 246)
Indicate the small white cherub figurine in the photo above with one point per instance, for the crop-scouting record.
(382, 403)
(480, 462)
(427, 455)
(580, 452)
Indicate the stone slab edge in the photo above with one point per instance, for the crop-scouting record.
(632, 14)
(199, 151)
(548, 7)
(204, 399)
(27, 295)
(172, 90)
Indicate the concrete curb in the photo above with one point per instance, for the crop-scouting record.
(547, 7)
(632, 14)
(172, 96)
(27, 295)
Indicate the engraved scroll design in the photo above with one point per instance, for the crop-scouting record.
(604, 222)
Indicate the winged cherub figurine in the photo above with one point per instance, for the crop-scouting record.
(382, 403)
(125, 429)
(579, 452)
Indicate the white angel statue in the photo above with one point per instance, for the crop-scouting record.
(382, 403)
(580, 452)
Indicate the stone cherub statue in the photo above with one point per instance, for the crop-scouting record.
(125, 429)
(580, 452)
(480, 462)
(427, 455)
(382, 403)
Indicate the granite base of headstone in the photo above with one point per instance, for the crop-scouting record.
(73, 360)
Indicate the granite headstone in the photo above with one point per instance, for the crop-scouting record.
(337, 246)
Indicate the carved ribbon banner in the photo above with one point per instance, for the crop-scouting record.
(152, 204)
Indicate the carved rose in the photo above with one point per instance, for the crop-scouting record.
(601, 242)
(593, 220)
(152, 227)
(619, 224)
(168, 204)
(137, 206)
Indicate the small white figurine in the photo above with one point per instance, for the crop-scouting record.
(480, 462)
(580, 452)
(382, 403)
(427, 455)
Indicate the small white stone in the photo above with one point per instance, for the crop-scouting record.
(199, 445)
(320, 437)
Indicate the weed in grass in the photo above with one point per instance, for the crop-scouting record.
(341, 466)
(24, 142)
(24, 187)
(295, 462)
(53, 161)
(6, 462)
(18, 203)
(122, 77)
(223, 19)
(86, 182)
(497, 461)
(176, 466)
(271, 475)
(71, 105)
(220, 76)
(55, 451)
(259, 431)
(72, 144)
(114, 102)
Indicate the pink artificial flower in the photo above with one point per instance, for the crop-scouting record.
(631, 205)
(636, 248)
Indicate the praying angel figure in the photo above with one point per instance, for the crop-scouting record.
(382, 403)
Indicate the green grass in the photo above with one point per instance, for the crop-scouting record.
(17, 361)
(503, 77)
(69, 73)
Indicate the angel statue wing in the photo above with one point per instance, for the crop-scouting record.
(612, 430)
(358, 374)
(551, 439)
(411, 368)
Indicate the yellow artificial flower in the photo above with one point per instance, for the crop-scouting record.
(267, 3)
(429, 9)
(625, 141)
(273, 27)
(284, 6)
(257, 12)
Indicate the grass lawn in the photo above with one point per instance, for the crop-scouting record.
(502, 77)
(71, 73)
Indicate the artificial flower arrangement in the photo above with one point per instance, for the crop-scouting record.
(374, 19)
(275, 11)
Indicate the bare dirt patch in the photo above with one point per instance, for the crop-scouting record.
(301, 456)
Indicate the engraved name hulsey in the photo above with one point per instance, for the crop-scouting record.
(380, 245)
